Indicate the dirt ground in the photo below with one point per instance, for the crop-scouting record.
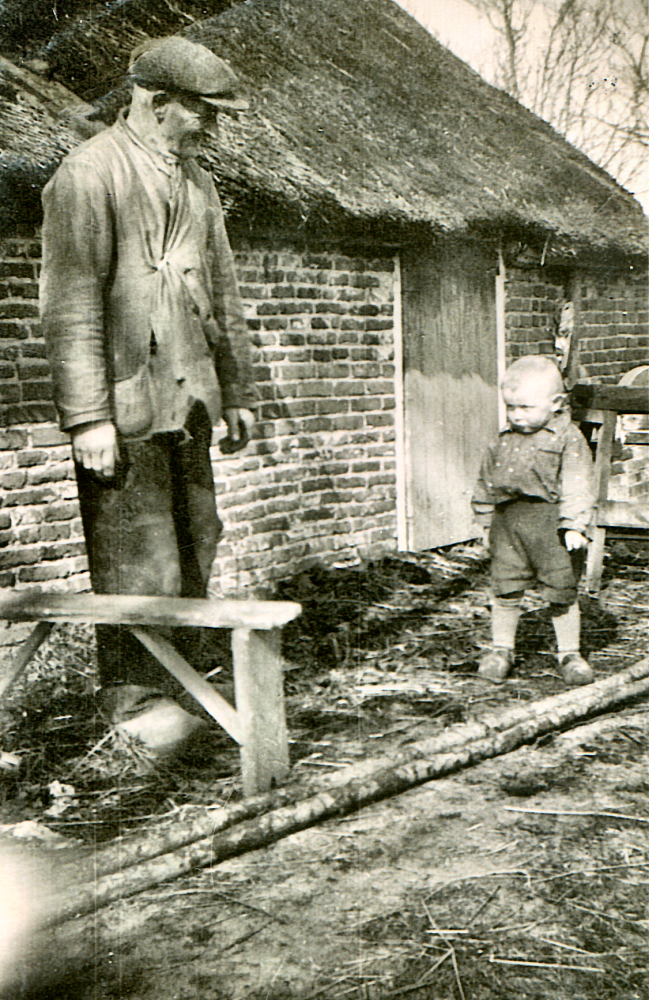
(526, 876)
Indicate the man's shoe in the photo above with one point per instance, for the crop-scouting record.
(495, 664)
(575, 669)
(159, 723)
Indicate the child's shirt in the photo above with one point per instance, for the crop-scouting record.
(552, 464)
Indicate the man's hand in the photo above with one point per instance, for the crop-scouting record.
(232, 416)
(94, 446)
(575, 540)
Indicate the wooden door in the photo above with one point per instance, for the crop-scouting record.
(450, 395)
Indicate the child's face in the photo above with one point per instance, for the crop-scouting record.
(530, 405)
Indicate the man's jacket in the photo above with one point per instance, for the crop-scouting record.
(139, 298)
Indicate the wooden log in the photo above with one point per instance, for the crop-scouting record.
(172, 835)
(385, 780)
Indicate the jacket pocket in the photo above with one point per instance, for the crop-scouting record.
(133, 404)
(548, 465)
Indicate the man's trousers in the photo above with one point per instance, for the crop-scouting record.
(153, 529)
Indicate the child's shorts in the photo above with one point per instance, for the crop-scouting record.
(525, 549)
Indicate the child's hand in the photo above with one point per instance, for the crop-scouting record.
(575, 540)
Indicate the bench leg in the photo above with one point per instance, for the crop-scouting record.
(23, 655)
(259, 695)
(595, 561)
(198, 687)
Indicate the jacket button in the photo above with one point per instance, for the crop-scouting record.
(195, 310)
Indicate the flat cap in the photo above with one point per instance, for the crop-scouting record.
(175, 63)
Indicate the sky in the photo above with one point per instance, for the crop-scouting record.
(466, 32)
(460, 27)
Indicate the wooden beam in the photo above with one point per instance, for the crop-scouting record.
(621, 398)
(259, 695)
(197, 686)
(24, 654)
(129, 609)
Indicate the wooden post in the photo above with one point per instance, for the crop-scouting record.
(595, 560)
(259, 696)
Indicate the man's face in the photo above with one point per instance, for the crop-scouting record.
(186, 118)
(530, 404)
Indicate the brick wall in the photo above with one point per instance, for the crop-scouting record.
(316, 483)
(320, 482)
(613, 324)
(25, 388)
(612, 318)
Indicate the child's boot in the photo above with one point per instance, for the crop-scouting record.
(495, 664)
(575, 669)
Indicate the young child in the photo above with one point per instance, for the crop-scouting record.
(535, 491)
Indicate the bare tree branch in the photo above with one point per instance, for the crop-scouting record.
(583, 66)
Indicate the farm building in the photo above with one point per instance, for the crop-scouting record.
(401, 229)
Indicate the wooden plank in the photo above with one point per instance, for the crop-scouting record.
(621, 398)
(622, 514)
(197, 686)
(259, 694)
(24, 654)
(130, 609)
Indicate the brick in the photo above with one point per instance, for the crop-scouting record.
(9, 392)
(18, 556)
(36, 369)
(25, 289)
(52, 571)
(13, 439)
(62, 549)
(48, 437)
(379, 324)
(13, 480)
(61, 511)
(54, 473)
(13, 309)
(379, 419)
(317, 514)
(16, 269)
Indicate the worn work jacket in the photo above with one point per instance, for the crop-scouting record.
(139, 298)
(552, 464)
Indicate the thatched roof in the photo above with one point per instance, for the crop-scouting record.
(357, 110)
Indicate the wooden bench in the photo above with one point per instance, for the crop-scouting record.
(599, 406)
(258, 724)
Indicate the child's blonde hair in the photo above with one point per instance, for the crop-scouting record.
(536, 368)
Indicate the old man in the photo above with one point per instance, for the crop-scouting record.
(148, 347)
